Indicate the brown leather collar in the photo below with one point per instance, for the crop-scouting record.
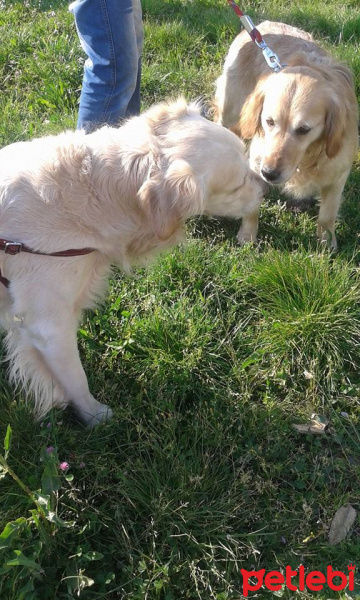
(17, 247)
(14, 248)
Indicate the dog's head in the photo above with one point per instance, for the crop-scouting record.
(293, 111)
(202, 169)
(169, 196)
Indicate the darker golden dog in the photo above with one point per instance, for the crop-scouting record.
(302, 121)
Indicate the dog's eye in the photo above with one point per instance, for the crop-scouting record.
(270, 122)
(302, 130)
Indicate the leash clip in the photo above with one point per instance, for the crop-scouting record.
(271, 58)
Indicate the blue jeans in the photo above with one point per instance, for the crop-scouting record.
(111, 34)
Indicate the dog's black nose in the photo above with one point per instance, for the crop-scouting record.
(270, 174)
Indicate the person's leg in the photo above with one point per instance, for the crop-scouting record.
(110, 32)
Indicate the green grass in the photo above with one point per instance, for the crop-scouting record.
(207, 359)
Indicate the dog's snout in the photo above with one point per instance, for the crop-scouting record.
(270, 174)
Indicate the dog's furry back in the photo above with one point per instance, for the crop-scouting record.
(302, 121)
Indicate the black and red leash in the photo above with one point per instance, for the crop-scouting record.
(271, 58)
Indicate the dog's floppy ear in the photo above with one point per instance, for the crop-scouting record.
(250, 118)
(335, 122)
(169, 198)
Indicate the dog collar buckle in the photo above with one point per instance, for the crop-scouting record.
(12, 248)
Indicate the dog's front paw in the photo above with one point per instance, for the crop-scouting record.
(327, 238)
(94, 414)
(245, 236)
(104, 414)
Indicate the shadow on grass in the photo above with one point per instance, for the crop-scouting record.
(279, 225)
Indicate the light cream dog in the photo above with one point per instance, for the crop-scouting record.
(302, 121)
(125, 193)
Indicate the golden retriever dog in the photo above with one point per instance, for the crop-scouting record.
(72, 205)
(302, 120)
